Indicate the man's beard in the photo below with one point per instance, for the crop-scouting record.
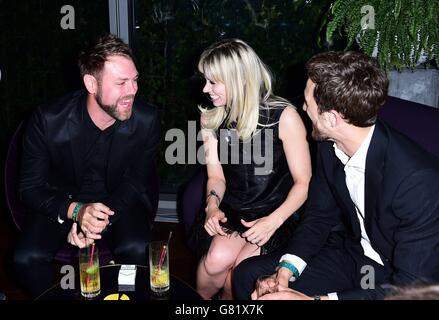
(112, 110)
(317, 135)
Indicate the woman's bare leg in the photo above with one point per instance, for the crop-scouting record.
(249, 250)
(216, 264)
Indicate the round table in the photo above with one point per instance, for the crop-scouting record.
(179, 290)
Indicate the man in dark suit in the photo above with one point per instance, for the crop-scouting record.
(88, 166)
(372, 217)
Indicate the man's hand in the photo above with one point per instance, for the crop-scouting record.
(283, 294)
(283, 276)
(254, 295)
(78, 239)
(93, 218)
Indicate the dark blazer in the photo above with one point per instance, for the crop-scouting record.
(401, 209)
(53, 167)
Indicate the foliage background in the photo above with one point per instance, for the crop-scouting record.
(403, 30)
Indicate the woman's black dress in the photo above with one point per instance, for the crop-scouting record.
(258, 181)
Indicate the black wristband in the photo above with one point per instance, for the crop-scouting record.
(213, 193)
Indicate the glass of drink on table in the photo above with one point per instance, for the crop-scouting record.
(89, 271)
(159, 267)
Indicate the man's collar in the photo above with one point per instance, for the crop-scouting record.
(358, 159)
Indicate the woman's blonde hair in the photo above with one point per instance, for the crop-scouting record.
(248, 84)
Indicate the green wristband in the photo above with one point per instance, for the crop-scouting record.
(290, 267)
(76, 211)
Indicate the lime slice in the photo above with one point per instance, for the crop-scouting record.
(92, 270)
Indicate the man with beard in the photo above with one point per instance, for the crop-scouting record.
(372, 217)
(88, 167)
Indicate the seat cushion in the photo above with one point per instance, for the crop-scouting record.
(417, 121)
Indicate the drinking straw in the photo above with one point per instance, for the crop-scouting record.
(164, 250)
(90, 264)
(91, 256)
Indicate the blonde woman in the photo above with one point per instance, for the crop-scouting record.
(250, 203)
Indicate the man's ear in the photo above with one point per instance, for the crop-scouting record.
(91, 84)
(329, 119)
(334, 118)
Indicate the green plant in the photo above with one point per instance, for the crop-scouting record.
(398, 32)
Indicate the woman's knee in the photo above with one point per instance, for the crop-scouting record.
(218, 260)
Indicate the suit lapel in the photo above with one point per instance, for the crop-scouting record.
(76, 129)
(373, 175)
(343, 192)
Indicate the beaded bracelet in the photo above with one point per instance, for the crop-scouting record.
(76, 211)
(290, 267)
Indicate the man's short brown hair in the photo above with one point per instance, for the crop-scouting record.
(92, 60)
(350, 83)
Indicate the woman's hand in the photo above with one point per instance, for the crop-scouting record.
(261, 229)
(78, 239)
(213, 217)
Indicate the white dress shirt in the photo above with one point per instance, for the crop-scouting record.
(355, 169)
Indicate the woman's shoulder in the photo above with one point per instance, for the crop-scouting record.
(271, 114)
(289, 111)
(291, 123)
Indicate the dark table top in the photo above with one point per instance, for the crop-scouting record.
(179, 290)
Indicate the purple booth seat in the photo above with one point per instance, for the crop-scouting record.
(419, 122)
(191, 201)
(68, 253)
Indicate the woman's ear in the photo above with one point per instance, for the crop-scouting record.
(91, 84)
